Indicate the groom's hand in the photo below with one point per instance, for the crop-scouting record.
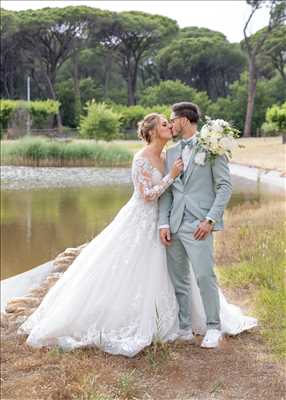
(165, 236)
(203, 230)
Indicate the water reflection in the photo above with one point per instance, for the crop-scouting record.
(37, 224)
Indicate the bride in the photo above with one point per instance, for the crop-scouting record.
(117, 294)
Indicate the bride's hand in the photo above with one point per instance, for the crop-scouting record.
(177, 168)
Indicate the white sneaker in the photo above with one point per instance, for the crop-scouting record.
(185, 335)
(212, 338)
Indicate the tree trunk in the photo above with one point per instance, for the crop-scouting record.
(76, 82)
(132, 72)
(6, 89)
(130, 86)
(134, 86)
(54, 97)
(284, 138)
(252, 80)
(108, 63)
(282, 73)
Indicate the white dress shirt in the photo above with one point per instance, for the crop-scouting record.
(186, 155)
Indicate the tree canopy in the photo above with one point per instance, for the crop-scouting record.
(77, 53)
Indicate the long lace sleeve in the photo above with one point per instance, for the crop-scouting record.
(142, 178)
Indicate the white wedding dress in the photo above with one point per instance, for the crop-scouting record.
(117, 294)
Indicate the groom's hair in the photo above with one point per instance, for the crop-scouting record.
(188, 110)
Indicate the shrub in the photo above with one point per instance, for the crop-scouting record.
(6, 108)
(41, 111)
(101, 122)
(129, 116)
(270, 129)
(276, 115)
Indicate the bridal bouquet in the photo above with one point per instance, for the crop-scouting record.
(217, 137)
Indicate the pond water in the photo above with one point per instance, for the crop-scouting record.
(46, 210)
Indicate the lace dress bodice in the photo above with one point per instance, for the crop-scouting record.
(147, 180)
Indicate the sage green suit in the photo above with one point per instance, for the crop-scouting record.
(204, 191)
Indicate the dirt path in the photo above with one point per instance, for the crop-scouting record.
(240, 369)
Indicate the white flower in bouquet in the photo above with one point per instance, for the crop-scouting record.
(216, 138)
(228, 143)
(204, 131)
(217, 126)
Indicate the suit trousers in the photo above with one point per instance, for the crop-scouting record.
(184, 253)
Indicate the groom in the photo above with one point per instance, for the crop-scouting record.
(189, 211)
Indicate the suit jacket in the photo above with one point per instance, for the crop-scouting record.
(205, 191)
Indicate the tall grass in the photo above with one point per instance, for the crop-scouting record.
(45, 152)
(259, 240)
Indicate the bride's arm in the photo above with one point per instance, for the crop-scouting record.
(142, 177)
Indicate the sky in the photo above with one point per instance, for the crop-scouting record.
(226, 16)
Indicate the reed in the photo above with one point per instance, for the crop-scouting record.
(46, 152)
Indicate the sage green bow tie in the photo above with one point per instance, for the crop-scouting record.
(189, 143)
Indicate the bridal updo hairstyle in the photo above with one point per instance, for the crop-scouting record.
(186, 109)
(147, 125)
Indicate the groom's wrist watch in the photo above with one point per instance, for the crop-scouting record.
(210, 221)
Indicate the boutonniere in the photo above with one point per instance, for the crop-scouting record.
(200, 158)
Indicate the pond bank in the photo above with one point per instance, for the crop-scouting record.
(13, 177)
(20, 178)
(272, 179)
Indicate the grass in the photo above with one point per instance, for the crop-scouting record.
(126, 385)
(158, 354)
(90, 391)
(45, 152)
(258, 238)
(266, 153)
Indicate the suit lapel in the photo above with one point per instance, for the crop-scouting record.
(177, 154)
(190, 167)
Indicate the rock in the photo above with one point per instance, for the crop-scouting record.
(4, 322)
(72, 251)
(19, 308)
(67, 261)
(52, 279)
(24, 301)
(19, 319)
(61, 266)
(38, 292)
(11, 308)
